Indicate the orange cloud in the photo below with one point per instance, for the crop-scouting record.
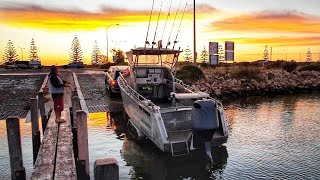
(270, 22)
(278, 41)
(34, 16)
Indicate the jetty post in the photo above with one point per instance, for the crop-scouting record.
(83, 150)
(107, 168)
(15, 151)
(35, 128)
(44, 118)
(75, 107)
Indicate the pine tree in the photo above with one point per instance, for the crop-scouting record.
(221, 53)
(204, 55)
(95, 56)
(309, 56)
(187, 55)
(266, 54)
(76, 53)
(10, 55)
(33, 53)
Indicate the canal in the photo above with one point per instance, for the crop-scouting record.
(270, 138)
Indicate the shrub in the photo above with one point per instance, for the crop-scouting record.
(290, 66)
(311, 67)
(247, 73)
(275, 64)
(189, 74)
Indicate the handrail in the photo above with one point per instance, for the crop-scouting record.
(136, 94)
(83, 105)
(187, 87)
(180, 82)
(45, 81)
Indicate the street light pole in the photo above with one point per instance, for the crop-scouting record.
(194, 33)
(21, 48)
(108, 41)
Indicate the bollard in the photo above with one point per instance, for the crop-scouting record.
(15, 152)
(35, 128)
(44, 118)
(107, 168)
(82, 133)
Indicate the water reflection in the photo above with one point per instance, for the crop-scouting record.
(149, 162)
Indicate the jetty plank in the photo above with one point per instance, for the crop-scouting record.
(44, 166)
(65, 163)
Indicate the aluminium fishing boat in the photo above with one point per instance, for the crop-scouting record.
(163, 109)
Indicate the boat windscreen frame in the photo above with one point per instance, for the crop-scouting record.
(160, 54)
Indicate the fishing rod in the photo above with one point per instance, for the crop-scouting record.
(155, 33)
(175, 41)
(147, 42)
(175, 17)
(165, 25)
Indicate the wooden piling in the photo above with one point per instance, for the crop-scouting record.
(15, 152)
(35, 128)
(75, 107)
(107, 168)
(83, 153)
(44, 118)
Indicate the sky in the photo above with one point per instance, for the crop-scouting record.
(290, 27)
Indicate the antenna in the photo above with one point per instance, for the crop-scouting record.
(165, 25)
(147, 42)
(155, 33)
(175, 41)
(168, 44)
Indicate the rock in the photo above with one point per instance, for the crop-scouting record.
(254, 83)
(217, 92)
(221, 78)
(286, 73)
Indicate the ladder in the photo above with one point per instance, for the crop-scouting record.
(179, 148)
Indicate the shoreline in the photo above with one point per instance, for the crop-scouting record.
(227, 87)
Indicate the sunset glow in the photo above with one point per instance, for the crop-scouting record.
(289, 27)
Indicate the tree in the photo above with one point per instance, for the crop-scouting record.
(95, 56)
(33, 53)
(10, 55)
(266, 54)
(120, 56)
(221, 53)
(204, 55)
(309, 56)
(104, 59)
(76, 53)
(187, 55)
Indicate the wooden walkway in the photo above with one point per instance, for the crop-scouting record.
(55, 159)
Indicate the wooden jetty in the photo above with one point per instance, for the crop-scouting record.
(63, 152)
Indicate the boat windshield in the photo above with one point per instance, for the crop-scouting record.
(159, 58)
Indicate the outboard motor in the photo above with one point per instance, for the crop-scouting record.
(205, 121)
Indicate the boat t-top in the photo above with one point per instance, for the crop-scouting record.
(163, 109)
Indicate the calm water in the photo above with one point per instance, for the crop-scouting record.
(270, 138)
